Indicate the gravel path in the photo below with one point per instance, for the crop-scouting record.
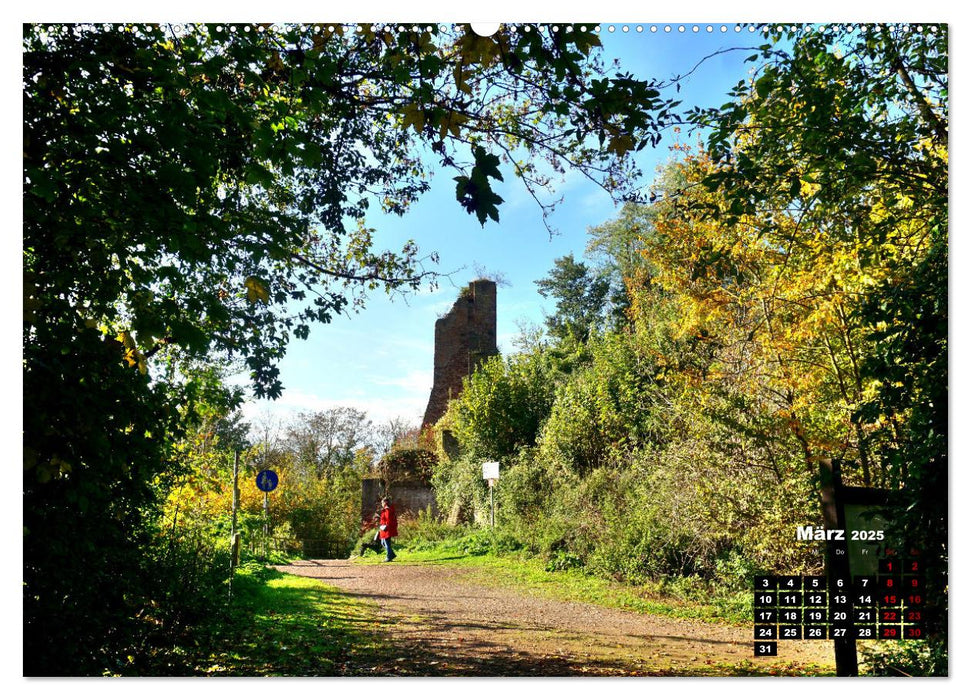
(441, 622)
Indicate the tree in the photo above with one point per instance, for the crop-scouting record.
(843, 137)
(846, 132)
(195, 195)
(774, 306)
(580, 299)
(324, 442)
(858, 114)
(606, 409)
(392, 432)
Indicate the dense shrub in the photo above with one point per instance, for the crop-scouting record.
(502, 406)
(904, 658)
(606, 408)
(407, 463)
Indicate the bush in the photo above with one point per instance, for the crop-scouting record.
(189, 580)
(606, 409)
(502, 406)
(904, 658)
(425, 530)
(459, 486)
(406, 463)
(525, 490)
(563, 561)
(736, 570)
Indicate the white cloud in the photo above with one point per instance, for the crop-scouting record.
(597, 201)
(416, 382)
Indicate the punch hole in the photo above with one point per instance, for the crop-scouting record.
(485, 28)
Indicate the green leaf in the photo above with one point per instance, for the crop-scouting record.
(764, 85)
(487, 163)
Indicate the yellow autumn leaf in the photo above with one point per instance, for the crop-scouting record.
(460, 82)
(131, 357)
(257, 290)
(452, 123)
(125, 339)
(480, 50)
(320, 42)
(412, 115)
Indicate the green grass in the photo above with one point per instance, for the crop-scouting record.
(277, 625)
(528, 574)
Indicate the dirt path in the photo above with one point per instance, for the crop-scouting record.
(442, 623)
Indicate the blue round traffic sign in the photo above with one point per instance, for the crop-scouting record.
(267, 480)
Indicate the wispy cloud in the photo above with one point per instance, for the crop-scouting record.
(416, 382)
(516, 194)
(597, 202)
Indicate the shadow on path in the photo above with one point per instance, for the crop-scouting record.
(430, 621)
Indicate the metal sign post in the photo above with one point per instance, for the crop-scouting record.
(490, 472)
(234, 535)
(266, 481)
(492, 505)
(266, 525)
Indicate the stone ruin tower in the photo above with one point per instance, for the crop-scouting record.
(464, 337)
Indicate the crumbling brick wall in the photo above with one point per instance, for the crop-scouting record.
(464, 337)
(409, 497)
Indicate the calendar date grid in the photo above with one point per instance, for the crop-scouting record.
(887, 606)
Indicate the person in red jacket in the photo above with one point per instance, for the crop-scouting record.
(388, 527)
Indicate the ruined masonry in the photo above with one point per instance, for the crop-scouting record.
(464, 337)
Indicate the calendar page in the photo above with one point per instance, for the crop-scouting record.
(517, 349)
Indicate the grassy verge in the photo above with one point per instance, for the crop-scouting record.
(277, 625)
(529, 574)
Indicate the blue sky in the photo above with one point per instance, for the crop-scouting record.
(380, 359)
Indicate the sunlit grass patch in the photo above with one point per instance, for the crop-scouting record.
(282, 625)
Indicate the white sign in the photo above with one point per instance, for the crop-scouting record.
(490, 470)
